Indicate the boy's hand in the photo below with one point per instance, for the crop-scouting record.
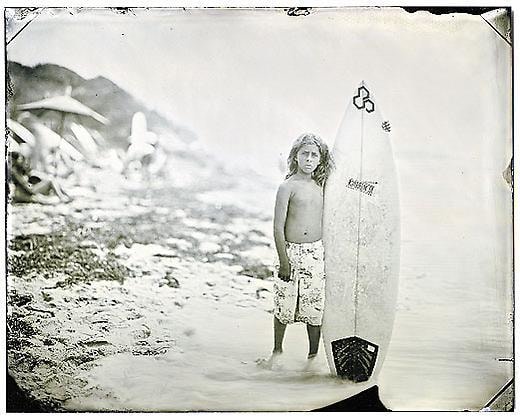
(284, 273)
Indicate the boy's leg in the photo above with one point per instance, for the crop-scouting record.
(314, 333)
(279, 332)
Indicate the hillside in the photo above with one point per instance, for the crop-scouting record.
(27, 84)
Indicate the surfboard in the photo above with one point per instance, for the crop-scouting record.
(361, 235)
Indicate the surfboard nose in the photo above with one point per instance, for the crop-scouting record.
(354, 358)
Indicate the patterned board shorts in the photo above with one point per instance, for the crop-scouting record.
(302, 298)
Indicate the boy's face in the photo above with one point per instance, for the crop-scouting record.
(308, 158)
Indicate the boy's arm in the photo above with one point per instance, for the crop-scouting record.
(280, 216)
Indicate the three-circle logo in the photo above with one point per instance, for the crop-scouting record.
(361, 100)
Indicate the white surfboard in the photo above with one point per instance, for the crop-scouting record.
(361, 235)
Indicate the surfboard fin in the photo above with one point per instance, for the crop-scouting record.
(354, 358)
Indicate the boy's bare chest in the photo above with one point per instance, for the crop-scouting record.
(307, 196)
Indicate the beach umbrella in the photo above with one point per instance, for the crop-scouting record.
(66, 105)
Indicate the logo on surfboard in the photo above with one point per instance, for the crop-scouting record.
(366, 187)
(362, 101)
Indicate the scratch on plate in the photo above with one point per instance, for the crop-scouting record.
(122, 10)
(299, 11)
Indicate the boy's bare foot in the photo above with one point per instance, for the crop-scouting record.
(311, 365)
(270, 363)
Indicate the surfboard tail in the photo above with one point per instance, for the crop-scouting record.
(354, 358)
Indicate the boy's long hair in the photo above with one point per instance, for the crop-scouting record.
(321, 173)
